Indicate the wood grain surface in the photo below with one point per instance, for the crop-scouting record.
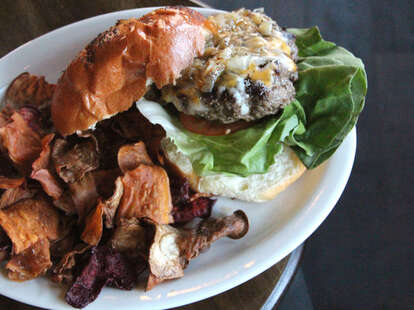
(35, 18)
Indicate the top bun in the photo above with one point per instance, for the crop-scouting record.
(116, 68)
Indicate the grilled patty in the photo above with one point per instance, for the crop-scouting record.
(247, 70)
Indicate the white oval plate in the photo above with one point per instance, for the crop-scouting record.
(276, 227)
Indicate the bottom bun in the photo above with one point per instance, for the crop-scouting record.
(256, 187)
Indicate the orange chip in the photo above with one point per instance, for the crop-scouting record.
(146, 195)
(29, 221)
(131, 155)
(22, 143)
(7, 183)
(92, 232)
(31, 263)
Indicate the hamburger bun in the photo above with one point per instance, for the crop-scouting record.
(117, 67)
(255, 188)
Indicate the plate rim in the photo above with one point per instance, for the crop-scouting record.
(249, 273)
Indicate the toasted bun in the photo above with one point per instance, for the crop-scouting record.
(115, 69)
(257, 187)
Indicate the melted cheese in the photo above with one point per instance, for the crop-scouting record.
(259, 48)
(245, 45)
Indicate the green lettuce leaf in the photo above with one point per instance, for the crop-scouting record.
(331, 88)
(245, 152)
(330, 94)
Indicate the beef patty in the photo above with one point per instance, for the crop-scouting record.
(246, 72)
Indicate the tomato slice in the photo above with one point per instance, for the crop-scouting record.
(211, 128)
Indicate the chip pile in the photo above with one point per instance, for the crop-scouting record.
(97, 208)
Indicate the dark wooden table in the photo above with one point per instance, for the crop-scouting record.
(39, 17)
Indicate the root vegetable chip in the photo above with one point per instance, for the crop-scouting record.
(13, 195)
(64, 268)
(65, 203)
(111, 204)
(43, 171)
(30, 263)
(200, 207)
(92, 232)
(22, 143)
(84, 193)
(7, 183)
(72, 162)
(165, 261)
(173, 248)
(146, 195)
(102, 266)
(130, 237)
(29, 89)
(131, 155)
(28, 221)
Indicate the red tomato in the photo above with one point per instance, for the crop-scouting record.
(211, 128)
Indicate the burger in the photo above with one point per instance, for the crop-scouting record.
(260, 106)
(246, 106)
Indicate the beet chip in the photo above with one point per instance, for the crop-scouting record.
(200, 207)
(102, 266)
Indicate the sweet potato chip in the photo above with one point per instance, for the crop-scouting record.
(44, 172)
(43, 161)
(133, 126)
(92, 232)
(13, 195)
(28, 221)
(131, 155)
(29, 89)
(30, 263)
(22, 143)
(93, 229)
(48, 182)
(6, 183)
(146, 195)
